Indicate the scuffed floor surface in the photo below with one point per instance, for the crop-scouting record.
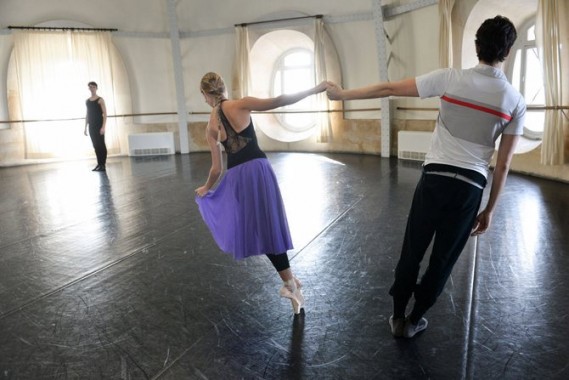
(115, 276)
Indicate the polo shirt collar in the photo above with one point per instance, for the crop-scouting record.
(490, 71)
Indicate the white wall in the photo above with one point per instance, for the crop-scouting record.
(414, 51)
(151, 76)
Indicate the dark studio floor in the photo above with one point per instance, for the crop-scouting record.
(115, 276)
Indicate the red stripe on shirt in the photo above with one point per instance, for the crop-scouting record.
(477, 107)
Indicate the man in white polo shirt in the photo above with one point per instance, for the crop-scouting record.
(478, 106)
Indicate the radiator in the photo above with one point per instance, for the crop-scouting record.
(151, 144)
(413, 145)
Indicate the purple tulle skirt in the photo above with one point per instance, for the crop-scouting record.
(245, 213)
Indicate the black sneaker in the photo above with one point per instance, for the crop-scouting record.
(96, 169)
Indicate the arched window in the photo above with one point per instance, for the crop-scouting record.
(525, 73)
(293, 71)
(282, 61)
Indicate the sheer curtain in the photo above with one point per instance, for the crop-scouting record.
(241, 70)
(48, 76)
(321, 74)
(445, 32)
(552, 33)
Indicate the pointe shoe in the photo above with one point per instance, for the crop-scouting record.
(291, 291)
(298, 292)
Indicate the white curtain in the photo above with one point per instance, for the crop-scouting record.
(48, 76)
(241, 70)
(321, 74)
(552, 32)
(445, 32)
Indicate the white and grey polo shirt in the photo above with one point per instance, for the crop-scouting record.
(477, 106)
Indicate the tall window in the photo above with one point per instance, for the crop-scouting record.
(294, 72)
(525, 72)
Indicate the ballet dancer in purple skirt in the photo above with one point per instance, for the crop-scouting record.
(245, 212)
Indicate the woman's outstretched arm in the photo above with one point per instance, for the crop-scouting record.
(258, 104)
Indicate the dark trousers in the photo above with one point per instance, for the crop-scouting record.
(445, 208)
(98, 141)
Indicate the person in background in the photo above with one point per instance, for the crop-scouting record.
(96, 119)
(245, 213)
(478, 106)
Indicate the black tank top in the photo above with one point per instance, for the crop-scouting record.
(240, 147)
(94, 113)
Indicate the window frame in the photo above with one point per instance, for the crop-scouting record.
(279, 67)
(519, 50)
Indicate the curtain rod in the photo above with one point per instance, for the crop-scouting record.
(277, 20)
(61, 28)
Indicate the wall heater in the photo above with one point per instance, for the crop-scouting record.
(413, 145)
(151, 144)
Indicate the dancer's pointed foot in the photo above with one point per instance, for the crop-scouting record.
(291, 291)
(298, 293)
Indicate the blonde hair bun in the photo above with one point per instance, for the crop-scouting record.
(213, 84)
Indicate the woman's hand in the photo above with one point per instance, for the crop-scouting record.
(201, 191)
(321, 87)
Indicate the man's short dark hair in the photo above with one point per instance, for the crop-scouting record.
(494, 39)
(92, 84)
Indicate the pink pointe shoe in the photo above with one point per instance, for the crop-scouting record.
(291, 290)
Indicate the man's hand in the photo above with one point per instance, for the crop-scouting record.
(334, 91)
(482, 223)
